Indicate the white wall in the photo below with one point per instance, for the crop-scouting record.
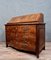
(10, 8)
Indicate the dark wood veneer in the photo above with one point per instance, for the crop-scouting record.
(27, 36)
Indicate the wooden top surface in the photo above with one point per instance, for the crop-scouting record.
(27, 18)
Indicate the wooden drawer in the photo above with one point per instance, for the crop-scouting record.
(24, 46)
(23, 28)
(25, 37)
(26, 28)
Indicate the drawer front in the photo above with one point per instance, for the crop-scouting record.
(23, 28)
(26, 28)
(22, 36)
(24, 46)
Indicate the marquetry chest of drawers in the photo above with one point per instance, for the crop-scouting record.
(26, 33)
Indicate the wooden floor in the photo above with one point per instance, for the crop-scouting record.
(12, 54)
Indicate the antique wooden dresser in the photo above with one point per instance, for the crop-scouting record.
(26, 33)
